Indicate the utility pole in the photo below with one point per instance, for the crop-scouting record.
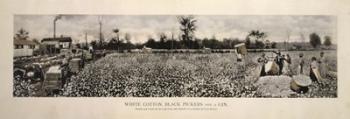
(100, 33)
(54, 29)
(172, 40)
(288, 38)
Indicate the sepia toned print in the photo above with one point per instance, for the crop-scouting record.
(175, 56)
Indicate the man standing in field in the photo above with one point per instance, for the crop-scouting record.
(279, 60)
(301, 64)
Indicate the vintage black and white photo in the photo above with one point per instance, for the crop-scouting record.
(232, 56)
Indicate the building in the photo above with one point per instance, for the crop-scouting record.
(24, 47)
(59, 42)
(55, 45)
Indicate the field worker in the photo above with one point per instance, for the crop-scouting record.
(65, 69)
(288, 59)
(286, 65)
(65, 61)
(322, 64)
(91, 50)
(239, 56)
(314, 70)
(279, 60)
(301, 63)
(322, 59)
(262, 61)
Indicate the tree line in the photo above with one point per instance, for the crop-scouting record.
(255, 39)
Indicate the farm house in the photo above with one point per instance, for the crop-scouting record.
(24, 47)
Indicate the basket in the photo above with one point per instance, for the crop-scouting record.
(300, 83)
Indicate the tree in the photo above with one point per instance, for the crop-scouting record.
(247, 42)
(22, 34)
(151, 43)
(93, 44)
(327, 41)
(273, 45)
(162, 41)
(116, 31)
(257, 35)
(112, 44)
(267, 44)
(187, 28)
(315, 40)
(259, 38)
(259, 44)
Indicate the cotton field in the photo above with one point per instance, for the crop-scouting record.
(188, 75)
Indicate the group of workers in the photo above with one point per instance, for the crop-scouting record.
(284, 61)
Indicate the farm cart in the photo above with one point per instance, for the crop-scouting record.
(31, 72)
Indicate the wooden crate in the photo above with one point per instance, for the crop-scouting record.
(53, 78)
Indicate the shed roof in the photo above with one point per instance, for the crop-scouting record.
(60, 39)
(23, 42)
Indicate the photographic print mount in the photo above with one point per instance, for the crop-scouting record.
(175, 56)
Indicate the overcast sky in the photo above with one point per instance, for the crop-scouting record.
(143, 27)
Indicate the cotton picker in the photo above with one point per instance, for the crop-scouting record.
(241, 52)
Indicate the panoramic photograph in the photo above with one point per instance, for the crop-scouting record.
(227, 56)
